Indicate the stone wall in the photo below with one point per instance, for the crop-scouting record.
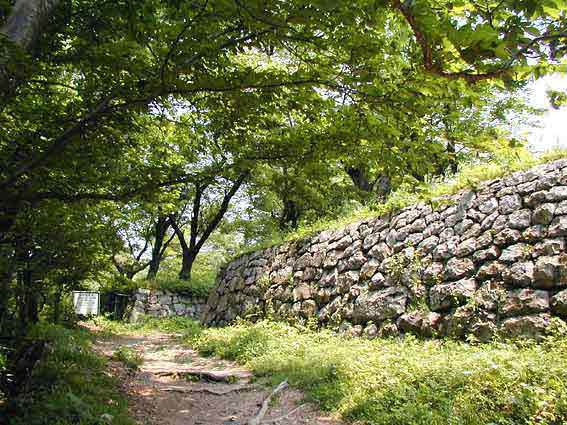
(156, 303)
(485, 261)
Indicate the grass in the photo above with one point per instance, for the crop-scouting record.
(148, 325)
(68, 386)
(405, 382)
(128, 357)
(198, 286)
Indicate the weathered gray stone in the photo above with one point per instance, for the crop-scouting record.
(330, 277)
(531, 327)
(559, 303)
(308, 308)
(446, 295)
(474, 231)
(557, 193)
(434, 273)
(433, 229)
(489, 221)
(411, 322)
(417, 226)
(348, 279)
(463, 226)
(488, 206)
(414, 239)
(370, 331)
(536, 198)
(550, 272)
(377, 281)
(543, 214)
(520, 219)
(304, 261)
(521, 302)
(459, 267)
(380, 251)
(510, 203)
(558, 226)
(519, 274)
(332, 259)
(490, 270)
(388, 330)
(476, 215)
(561, 208)
(380, 305)
(371, 240)
(427, 245)
(369, 268)
(301, 292)
(466, 247)
(534, 233)
(514, 253)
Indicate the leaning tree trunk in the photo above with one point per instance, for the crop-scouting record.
(25, 21)
(21, 29)
(160, 231)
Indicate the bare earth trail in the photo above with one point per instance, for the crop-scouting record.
(175, 386)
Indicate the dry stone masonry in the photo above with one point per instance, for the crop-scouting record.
(156, 303)
(483, 262)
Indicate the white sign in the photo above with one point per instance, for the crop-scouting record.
(86, 303)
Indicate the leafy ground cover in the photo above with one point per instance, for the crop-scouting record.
(404, 381)
(68, 386)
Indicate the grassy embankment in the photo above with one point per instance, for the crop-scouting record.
(404, 381)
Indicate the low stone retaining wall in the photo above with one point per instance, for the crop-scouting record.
(483, 262)
(156, 303)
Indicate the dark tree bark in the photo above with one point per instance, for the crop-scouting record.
(25, 21)
(290, 215)
(381, 186)
(161, 226)
(190, 249)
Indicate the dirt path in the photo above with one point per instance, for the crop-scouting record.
(175, 386)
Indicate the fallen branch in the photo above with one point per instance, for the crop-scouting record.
(281, 418)
(264, 409)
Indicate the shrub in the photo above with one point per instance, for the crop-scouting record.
(68, 386)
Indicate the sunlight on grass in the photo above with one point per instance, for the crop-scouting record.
(405, 381)
(147, 326)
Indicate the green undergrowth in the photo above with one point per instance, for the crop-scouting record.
(197, 287)
(405, 382)
(68, 386)
(147, 325)
(129, 357)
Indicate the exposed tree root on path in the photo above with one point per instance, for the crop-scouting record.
(175, 386)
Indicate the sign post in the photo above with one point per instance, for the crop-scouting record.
(86, 303)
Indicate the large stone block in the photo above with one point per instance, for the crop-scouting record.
(531, 327)
(387, 303)
(521, 302)
(447, 295)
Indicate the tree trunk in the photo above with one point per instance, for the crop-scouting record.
(160, 231)
(187, 265)
(290, 215)
(25, 21)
